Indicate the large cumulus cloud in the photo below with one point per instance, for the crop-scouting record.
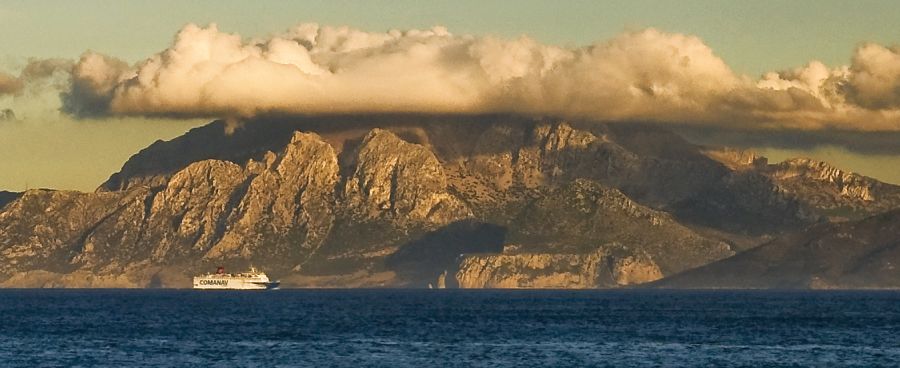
(646, 75)
(874, 81)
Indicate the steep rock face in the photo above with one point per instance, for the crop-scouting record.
(117, 241)
(288, 208)
(391, 191)
(187, 217)
(276, 210)
(40, 229)
(847, 184)
(512, 158)
(529, 270)
(400, 180)
(508, 163)
(598, 269)
(638, 269)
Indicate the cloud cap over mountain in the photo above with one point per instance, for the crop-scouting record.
(646, 75)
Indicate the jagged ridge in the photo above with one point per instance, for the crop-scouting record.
(338, 203)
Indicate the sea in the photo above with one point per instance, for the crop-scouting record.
(448, 328)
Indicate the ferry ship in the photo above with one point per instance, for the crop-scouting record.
(250, 280)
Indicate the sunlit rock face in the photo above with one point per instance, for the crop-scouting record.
(598, 269)
(490, 201)
(401, 181)
(44, 229)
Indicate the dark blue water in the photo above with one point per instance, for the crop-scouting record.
(422, 328)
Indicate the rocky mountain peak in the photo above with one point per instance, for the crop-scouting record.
(841, 193)
(820, 188)
(286, 209)
(487, 201)
(399, 179)
(849, 184)
(736, 159)
(560, 136)
(813, 169)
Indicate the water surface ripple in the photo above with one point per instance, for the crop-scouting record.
(448, 328)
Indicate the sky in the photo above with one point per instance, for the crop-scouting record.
(75, 127)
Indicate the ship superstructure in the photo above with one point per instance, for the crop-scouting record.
(250, 280)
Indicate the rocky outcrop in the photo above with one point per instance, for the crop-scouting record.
(530, 270)
(598, 269)
(635, 269)
(185, 217)
(400, 180)
(287, 209)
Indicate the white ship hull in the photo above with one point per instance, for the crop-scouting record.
(250, 280)
(215, 283)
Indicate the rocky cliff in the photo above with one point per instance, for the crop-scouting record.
(492, 201)
(602, 268)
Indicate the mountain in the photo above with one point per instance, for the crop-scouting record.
(823, 189)
(445, 201)
(854, 254)
(488, 154)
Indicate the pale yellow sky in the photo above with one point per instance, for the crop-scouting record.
(66, 154)
(882, 167)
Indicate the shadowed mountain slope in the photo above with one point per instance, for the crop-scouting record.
(859, 254)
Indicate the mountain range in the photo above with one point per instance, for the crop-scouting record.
(455, 201)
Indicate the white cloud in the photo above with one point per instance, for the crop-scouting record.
(874, 81)
(645, 75)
